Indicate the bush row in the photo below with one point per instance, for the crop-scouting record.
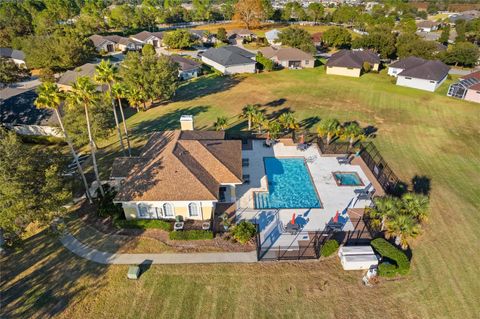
(389, 251)
(143, 224)
(190, 235)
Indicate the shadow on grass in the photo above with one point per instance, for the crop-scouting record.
(205, 86)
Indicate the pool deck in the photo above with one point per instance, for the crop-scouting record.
(333, 197)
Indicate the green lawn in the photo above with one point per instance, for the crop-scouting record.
(419, 133)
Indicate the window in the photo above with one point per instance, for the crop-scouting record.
(142, 211)
(407, 78)
(193, 209)
(306, 62)
(432, 81)
(168, 210)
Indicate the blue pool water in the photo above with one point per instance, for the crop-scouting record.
(289, 185)
(348, 179)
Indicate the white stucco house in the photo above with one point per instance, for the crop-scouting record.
(418, 73)
(291, 58)
(147, 37)
(427, 26)
(112, 43)
(272, 37)
(230, 60)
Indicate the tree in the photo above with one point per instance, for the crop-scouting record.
(288, 122)
(50, 97)
(106, 74)
(121, 16)
(460, 27)
(408, 25)
(10, 72)
(221, 123)
(135, 98)
(201, 9)
(148, 49)
(328, 127)
(461, 53)
(119, 92)
(345, 14)
(84, 94)
(352, 132)
(266, 63)
(33, 189)
(267, 9)
(258, 120)
(293, 11)
(315, 11)
(273, 129)
(178, 39)
(337, 37)
(445, 34)
(222, 34)
(249, 112)
(402, 227)
(382, 42)
(250, 12)
(412, 45)
(15, 22)
(297, 38)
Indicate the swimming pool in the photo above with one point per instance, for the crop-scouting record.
(289, 185)
(347, 179)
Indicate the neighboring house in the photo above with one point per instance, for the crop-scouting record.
(68, 78)
(317, 39)
(179, 174)
(203, 36)
(17, 56)
(272, 37)
(351, 63)
(112, 43)
(427, 26)
(102, 44)
(230, 59)
(291, 58)
(19, 113)
(146, 37)
(467, 88)
(238, 35)
(465, 15)
(188, 68)
(418, 73)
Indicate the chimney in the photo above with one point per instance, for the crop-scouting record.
(186, 123)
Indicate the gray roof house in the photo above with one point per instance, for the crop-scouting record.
(289, 57)
(419, 73)
(351, 63)
(188, 68)
(111, 43)
(17, 56)
(230, 59)
(68, 78)
(147, 37)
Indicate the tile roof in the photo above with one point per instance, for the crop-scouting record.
(144, 35)
(123, 165)
(174, 168)
(12, 53)
(229, 55)
(475, 87)
(433, 70)
(98, 40)
(184, 63)
(407, 63)
(475, 75)
(286, 54)
(71, 76)
(352, 59)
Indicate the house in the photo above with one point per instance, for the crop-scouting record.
(112, 43)
(203, 36)
(188, 68)
(427, 26)
(465, 15)
(102, 44)
(17, 56)
(238, 35)
(467, 88)
(272, 37)
(291, 58)
(351, 63)
(317, 39)
(179, 174)
(68, 78)
(418, 73)
(230, 59)
(146, 37)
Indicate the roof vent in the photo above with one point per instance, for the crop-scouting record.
(186, 123)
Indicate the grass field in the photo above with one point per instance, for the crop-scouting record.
(419, 133)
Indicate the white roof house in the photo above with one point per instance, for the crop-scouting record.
(272, 36)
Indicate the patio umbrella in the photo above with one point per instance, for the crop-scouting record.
(293, 219)
(335, 219)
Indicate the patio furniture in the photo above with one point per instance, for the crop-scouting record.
(363, 190)
(344, 160)
(366, 196)
(133, 272)
(292, 228)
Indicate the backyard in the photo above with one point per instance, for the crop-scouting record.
(419, 134)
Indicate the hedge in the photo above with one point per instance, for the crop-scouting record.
(190, 235)
(143, 224)
(244, 231)
(329, 247)
(389, 251)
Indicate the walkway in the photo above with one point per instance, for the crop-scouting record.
(82, 250)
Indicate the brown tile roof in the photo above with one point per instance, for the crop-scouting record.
(352, 59)
(286, 54)
(475, 87)
(177, 169)
(475, 75)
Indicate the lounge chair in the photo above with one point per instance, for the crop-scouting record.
(302, 147)
(363, 190)
(344, 159)
(366, 196)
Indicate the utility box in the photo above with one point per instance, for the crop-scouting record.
(186, 123)
(133, 272)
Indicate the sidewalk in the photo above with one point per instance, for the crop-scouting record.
(78, 248)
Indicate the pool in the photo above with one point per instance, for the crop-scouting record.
(347, 179)
(289, 185)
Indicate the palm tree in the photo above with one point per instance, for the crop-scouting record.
(50, 97)
(221, 123)
(119, 91)
(273, 128)
(403, 228)
(329, 128)
(384, 208)
(415, 205)
(289, 123)
(84, 93)
(248, 112)
(352, 132)
(258, 119)
(134, 98)
(107, 73)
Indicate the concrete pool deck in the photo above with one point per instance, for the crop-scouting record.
(333, 197)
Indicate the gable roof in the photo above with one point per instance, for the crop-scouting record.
(475, 75)
(71, 76)
(240, 32)
(272, 34)
(352, 59)
(229, 55)
(145, 35)
(286, 54)
(427, 24)
(171, 168)
(184, 63)
(410, 62)
(12, 54)
(434, 70)
(99, 40)
(119, 39)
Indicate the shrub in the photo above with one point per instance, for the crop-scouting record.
(267, 64)
(329, 248)
(105, 204)
(244, 231)
(143, 224)
(391, 253)
(190, 235)
(367, 67)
